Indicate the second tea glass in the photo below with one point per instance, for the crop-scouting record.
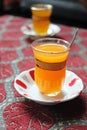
(41, 18)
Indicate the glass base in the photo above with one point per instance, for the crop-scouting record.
(57, 95)
(51, 94)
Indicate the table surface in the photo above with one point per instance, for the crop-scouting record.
(18, 113)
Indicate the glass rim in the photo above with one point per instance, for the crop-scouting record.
(58, 39)
(41, 6)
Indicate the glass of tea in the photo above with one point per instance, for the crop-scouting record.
(50, 64)
(41, 18)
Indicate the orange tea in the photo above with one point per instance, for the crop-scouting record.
(50, 66)
(41, 18)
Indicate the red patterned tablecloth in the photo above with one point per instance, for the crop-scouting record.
(18, 113)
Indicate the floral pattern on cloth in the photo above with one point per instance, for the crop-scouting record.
(27, 116)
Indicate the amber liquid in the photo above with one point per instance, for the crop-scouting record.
(50, 80)
(41, 21)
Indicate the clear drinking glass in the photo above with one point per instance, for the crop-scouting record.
(50, 64)
(41, 17)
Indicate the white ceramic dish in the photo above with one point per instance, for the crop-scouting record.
(25, 85)
(28, 30)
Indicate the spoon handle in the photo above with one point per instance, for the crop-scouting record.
(74, 36)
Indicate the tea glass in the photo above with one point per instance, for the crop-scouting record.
(50, 64)
(41, 17)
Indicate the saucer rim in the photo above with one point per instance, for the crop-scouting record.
(52, 34)
(51, 102)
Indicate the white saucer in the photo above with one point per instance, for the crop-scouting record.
(28, 30)
(25, 85)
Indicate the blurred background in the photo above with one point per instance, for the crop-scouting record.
(68, 12)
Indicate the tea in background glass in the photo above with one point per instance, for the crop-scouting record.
(50, 64)
(41, 18)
